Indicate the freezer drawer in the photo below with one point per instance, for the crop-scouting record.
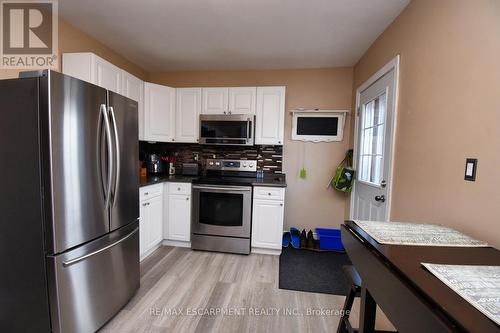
(90, 284)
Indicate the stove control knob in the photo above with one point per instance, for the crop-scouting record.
(217, 163)
(245, 165)
(210, 163)
(250, 165)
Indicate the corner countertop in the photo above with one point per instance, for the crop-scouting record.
(271, 180)
(150, 180)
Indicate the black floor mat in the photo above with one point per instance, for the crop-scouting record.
(318, 272)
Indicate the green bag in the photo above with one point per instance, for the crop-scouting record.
(344, 175)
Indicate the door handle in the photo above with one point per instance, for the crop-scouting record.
(380, 198)
(78, 259)
(107, 127)
(117, 152)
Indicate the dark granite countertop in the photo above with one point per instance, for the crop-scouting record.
(150, 180)
(272, 180)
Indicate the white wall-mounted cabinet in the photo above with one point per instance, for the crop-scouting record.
(177, 225)
(89, 67)
(236, 100)
(267, 218)
(187, 114)
(159, 113)
(242, 100)
(151, 218)
(133, 88)
(215, 101)
(270, 116)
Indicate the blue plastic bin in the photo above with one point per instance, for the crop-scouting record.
(330, 239)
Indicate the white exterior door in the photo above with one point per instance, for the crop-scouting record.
(375, 128)
(159, 111)
(242, 100)
(270, 118)
(187, 114)
(215, 101)
(179, 217)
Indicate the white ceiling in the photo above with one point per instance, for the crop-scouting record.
(164, 35)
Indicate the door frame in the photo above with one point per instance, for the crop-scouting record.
(391, 65)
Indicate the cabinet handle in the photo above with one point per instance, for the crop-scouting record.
(178, 189)
(187, 199)
(146, 193)
(281, 204)
(269, 193)
(229, 112)
(173, 139)
(225, 112)
(145, 204)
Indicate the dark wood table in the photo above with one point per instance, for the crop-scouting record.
(414, 300)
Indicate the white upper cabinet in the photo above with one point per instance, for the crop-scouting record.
(108, 75)
(270, 116)
(242, 100)
(159, 112)
(187, 114)
(133, 88)
(215, 101)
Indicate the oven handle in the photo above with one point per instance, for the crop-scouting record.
(222, 188)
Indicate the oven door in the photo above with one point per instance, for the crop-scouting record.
(222, 210)
(235, 130)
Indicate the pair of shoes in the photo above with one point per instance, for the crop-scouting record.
(287, 238)
(310, 240)
(295, 235)
(303, 239)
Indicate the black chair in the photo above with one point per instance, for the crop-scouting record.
(354, 291)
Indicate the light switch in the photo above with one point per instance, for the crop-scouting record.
(470, 169)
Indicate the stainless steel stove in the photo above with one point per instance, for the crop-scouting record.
(222, 206)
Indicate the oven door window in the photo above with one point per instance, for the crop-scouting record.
(224, 129)
(221, 209)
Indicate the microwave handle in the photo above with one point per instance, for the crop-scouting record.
(248, 128)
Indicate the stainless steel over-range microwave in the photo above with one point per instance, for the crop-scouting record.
(235, 129)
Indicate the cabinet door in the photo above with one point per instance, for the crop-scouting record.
(267, 224)
(133, 88)
(107, 75)
(270, 116)
(187, 114)
(242, 100)
(215, 100)
(179, 217)
(143, 227)
(155, 208)
(159, 112)
(79, 65)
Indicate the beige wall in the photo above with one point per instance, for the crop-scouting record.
(448, 110)
(74, 40)
(309, 203)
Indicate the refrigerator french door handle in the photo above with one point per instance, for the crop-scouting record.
(91, 254)
(117, 152)
(104, 114)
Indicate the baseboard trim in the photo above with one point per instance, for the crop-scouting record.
(153, 249)
(167, 242)
(272, 252)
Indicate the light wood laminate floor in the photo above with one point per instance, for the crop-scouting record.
(191, 291)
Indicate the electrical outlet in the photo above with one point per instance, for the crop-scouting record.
(470, 169)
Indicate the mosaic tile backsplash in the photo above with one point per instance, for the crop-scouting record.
(269, 158)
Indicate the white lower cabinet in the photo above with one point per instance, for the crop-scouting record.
(267, 220)
(151, 218)
(178, 221)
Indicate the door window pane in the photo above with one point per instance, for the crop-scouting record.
(372, 140)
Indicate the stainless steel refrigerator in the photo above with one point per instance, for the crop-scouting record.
(69, 199)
